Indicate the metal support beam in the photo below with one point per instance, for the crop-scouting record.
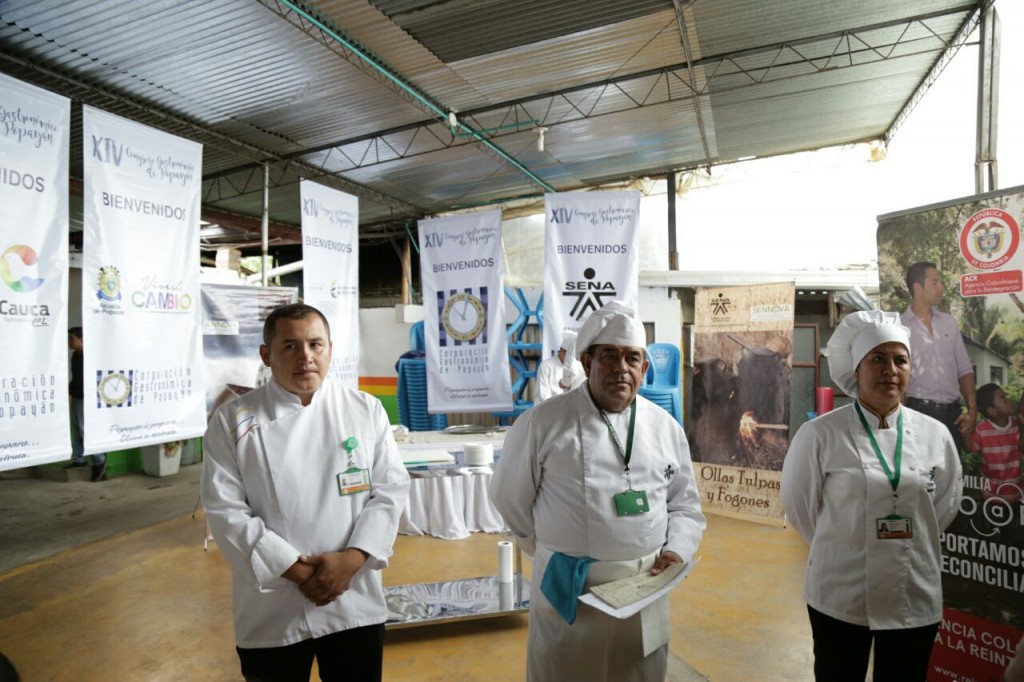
(958, 41)
(673, 250)
(985, 167)
(265, 224)
(335, 39)
(729, 72)
(696, 86)
(100, 97)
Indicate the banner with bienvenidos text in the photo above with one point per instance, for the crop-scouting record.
(141, 310)
(464, 314)
(330, 273)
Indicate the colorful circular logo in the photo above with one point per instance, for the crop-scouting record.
(989, 238)
(17, 268)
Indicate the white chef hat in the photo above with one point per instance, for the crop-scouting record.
(855, 337)
(568, 338)
(615, 324)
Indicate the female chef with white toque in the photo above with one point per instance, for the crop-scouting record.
(871, 486)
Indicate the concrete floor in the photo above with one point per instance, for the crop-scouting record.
(109, 582)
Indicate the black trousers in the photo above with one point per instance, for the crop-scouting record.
(947, 413)
(841, 651)
(355, 654)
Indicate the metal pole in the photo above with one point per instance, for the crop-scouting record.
(406, 270)
(985, 175)
(265, 226)
(673, 253)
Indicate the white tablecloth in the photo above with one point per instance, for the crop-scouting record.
(451, 506)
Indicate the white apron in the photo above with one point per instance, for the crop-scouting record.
(596, 646)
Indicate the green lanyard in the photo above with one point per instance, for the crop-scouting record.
(894, 479)
(615, 437)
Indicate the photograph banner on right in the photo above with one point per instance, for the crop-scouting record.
(969, 250)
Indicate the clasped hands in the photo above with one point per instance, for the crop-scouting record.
(323, 577)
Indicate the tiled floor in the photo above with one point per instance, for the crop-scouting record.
(151, 605)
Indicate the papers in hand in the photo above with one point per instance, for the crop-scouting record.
(626, 597)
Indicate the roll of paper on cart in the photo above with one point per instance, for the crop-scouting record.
(504, 561)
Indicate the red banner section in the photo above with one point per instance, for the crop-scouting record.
(987, 283)
(971, 649)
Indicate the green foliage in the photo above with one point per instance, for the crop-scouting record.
(971, 463)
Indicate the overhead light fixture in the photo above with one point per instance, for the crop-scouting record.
(540, 137)
(453, 122)
(746, 158)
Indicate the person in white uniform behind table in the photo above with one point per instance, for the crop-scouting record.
(871, 486)
(561, 372)
(303, 487)
(597, 485)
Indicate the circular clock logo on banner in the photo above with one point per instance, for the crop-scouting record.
(115, 388)
(989, 238)
(463, 316)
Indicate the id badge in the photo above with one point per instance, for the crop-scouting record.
(631, 502)
(894, 527)
(354, 480)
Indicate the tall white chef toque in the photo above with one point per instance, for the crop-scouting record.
(855, 337)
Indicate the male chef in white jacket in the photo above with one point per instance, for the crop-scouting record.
(303, 487)
(597, 484)
(561, 372)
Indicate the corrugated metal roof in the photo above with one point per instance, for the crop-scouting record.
(363, 106)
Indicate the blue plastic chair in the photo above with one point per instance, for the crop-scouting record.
(664, 371)
(412, 397)
(662, 383)
(417, 340)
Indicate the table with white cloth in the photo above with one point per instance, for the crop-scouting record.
(449, 499)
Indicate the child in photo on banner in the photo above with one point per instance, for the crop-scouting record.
(997, 438)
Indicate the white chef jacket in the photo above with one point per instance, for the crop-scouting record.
(834, 489)
(553, 484)
(551, 372)
(270, 490)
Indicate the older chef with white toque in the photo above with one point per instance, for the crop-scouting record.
(871, 486)
(597, 484)
(561, 372)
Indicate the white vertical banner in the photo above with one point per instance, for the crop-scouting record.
(330, 271)
(141, 310)
(34, 419)
(464, 314)
(591, 257)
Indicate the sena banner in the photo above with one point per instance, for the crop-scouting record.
(464, 314)
(330, 271)
(141, 310)
(590, 257)
(34, 417)
(973, 243)
(738, 425)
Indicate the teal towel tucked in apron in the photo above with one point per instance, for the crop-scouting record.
(563, 583)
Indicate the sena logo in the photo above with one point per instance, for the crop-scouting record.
(589, 294)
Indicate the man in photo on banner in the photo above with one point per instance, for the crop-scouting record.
(303, 487)
(597, 485)
(562, 371)
(942, 371)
